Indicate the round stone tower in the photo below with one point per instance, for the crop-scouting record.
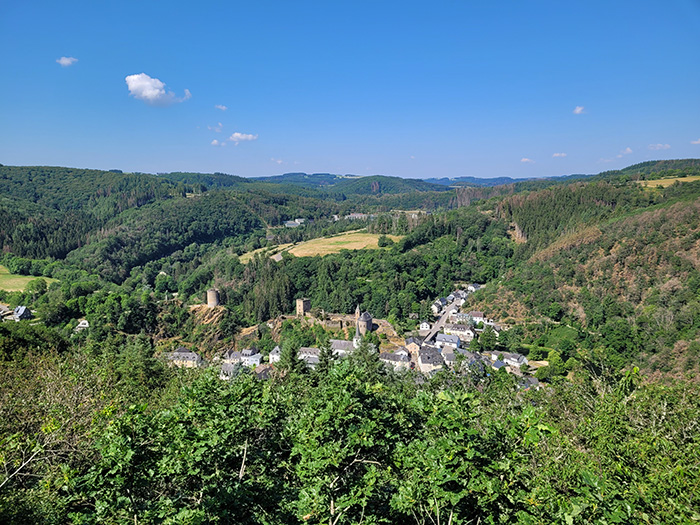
(212, 298)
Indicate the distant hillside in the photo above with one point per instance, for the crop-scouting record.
(473, 181)
(307, 180)
(382, 185)
(210, 180)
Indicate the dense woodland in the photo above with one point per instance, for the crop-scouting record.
(597, 275)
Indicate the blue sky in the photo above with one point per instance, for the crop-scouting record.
(412, 89)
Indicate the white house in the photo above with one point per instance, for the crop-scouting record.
(447, 340)
(251, 357)
(275, 354)
(462, 331)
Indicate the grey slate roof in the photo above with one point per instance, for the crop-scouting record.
(447, 339)
(341, 345)
(393, 358)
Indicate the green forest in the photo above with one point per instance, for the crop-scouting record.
(597, 275)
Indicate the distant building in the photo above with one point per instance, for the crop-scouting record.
(275, 355)
(22, 313)
(212, 298)
(413, 344)
(460, 330)
(477, 317)
(185, 358)
(309, 355)
(228, 371)
(82, 325)
(363, 325)
(446, 340)
(291, 224)
(303, 307)
(424, 326)
(396, 361)
(438, 305)
(251, 357)
(232, 356)
(341, 348)
(357, 216)
(511, 359)
(429, 360)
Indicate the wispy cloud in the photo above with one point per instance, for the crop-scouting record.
(66, 61)
(657, 147)
(152, 91)
(695, 141)
(555, 155)
(624, 152)
(221, 107)
(217, 143)
(578, 110)
(526, 160)
(242, 137)
(276, 161)
(219, 126)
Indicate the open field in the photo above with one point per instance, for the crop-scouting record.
(663, 183)
(356, 240)
(17, 283)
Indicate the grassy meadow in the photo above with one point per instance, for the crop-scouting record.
(664, 183)
(357, 240)
(17, 283)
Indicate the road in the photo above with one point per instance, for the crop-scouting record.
(441, 322)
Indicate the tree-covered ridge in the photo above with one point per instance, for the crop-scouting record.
(101, 193)
(380, 184)
(629, 282)
(543, 215)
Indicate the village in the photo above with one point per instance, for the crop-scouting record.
(445, 344)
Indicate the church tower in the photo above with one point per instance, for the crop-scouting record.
(357, 340)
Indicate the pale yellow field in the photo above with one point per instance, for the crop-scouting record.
(345, 241)
(17, 283)
(663, 183)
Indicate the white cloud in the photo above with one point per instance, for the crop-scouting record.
(217, 143)
(526, 160)
(695, 141)
(219, 126)
(559, 155)
(66, 61)
(277, 161)
(578, 110)
(221, 107)
(152, 91)
(656, 147)
(242, 137)
(412, 157)
(624, 152)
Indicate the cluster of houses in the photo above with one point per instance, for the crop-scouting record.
(458, 297)
(447, 350)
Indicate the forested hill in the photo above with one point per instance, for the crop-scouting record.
(352, 184)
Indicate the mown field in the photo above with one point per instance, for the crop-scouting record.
(345, 241)
(355, 240)
(664, 183)
(16, 283)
